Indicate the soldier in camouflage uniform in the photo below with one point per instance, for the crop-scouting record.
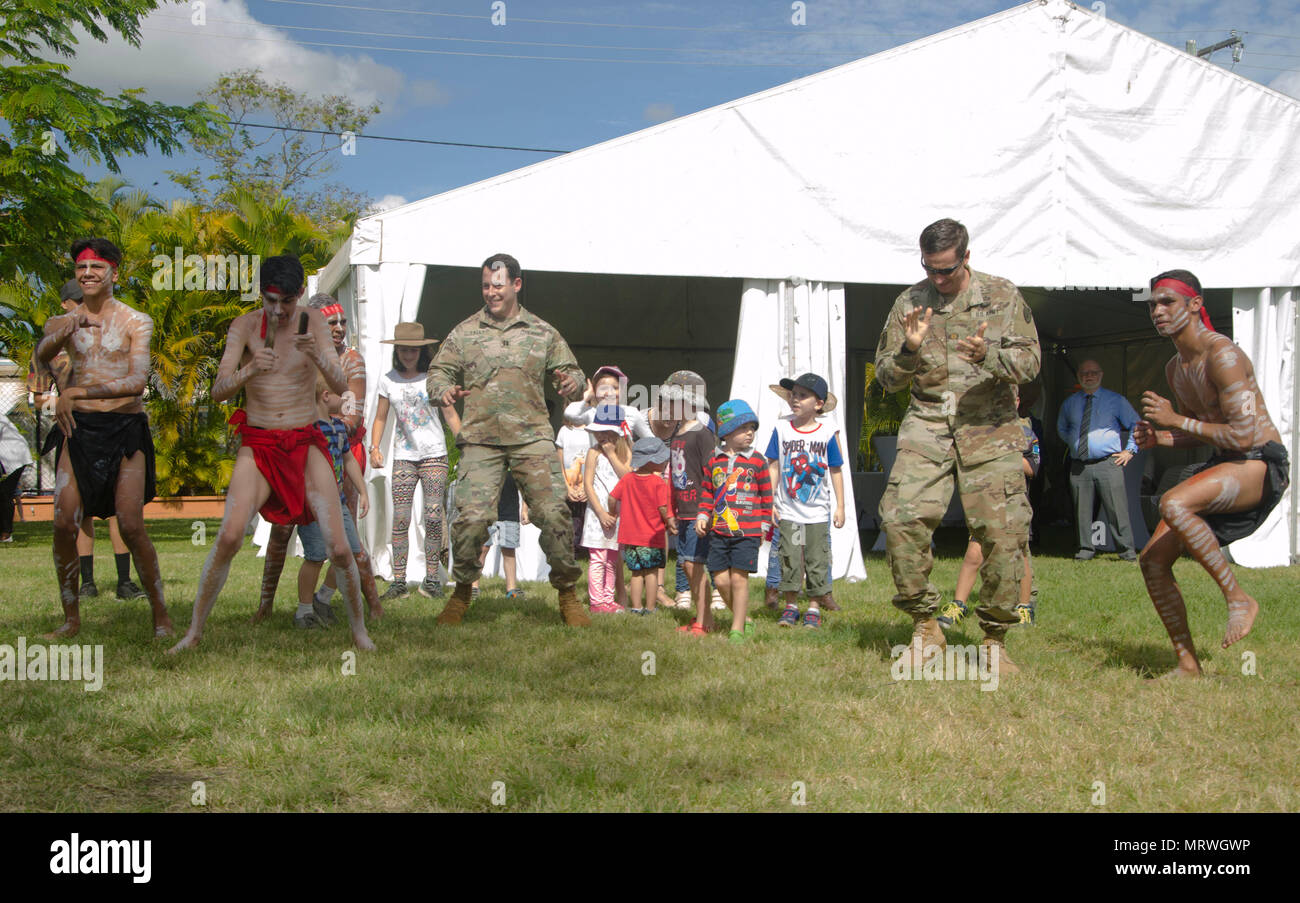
(497, 360)
(962, 339)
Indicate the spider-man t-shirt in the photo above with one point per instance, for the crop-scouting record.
(806, 456)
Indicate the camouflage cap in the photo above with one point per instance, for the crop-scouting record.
(685, 385)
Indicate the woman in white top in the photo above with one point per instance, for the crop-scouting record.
(419, 454)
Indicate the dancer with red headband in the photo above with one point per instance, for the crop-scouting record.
(1229, 496)
(274, 354)
(105, 458)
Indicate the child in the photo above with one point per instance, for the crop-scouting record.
(607, 460)
(607, 387)
(311, 611)
(803, 452)
(691, 445)
(735, 502)
(571, 444)
(955, 610)
(641, 500)
(512, 511)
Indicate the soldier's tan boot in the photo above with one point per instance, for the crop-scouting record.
(927, 641)
(998, 658)
(572, 611)
(454, 611)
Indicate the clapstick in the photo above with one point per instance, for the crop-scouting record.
(302, 323)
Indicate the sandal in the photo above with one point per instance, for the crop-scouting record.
(695, 628)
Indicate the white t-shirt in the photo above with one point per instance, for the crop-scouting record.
(803, 492)
(417, 425)
(594, 536)
(573, 443)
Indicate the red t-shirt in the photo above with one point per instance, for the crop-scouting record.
(640, 496)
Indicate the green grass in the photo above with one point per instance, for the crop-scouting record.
(567, 720)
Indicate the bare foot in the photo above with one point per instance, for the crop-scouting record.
(163, 628)
(1180, 674)
(187, 642)
(69, 628)
(363, 642)
(1241, 617)
(377, 613)
(263, 611)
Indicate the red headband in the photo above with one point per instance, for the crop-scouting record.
(332, 309)
(1186, 291)
(91, 254)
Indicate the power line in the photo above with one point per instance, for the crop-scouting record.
(504, 56)
(290, 128)
(715, 28)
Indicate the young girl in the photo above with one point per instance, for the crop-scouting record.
(641, 500)
(419, 454)
(608, 459)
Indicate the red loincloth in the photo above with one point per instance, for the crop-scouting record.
(281, 457)
(358, 447)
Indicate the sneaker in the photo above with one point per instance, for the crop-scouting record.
(749, 627)
(514, 593)
(684, 600)
(1026, 614)
(736, 638)
(309, 621)
(812, 619)
(88, 590)
(789, 617)
(128, 590)
(717, 604)
(473, 593)
(1084, 555)
(952, 614)
(324, 611)
(431, 589)
(395, 591)
(1130, 555)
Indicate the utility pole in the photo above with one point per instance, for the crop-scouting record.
(1234, 42)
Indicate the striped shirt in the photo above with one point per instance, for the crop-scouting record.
(737, 493)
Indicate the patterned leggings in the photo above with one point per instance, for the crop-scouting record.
(431, 473)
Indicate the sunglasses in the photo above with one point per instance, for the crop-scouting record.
(941, 271)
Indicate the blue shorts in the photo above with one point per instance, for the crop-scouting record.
(738, 552)
(313, 544)
(505, 532)
(643, 558)
(690, 545)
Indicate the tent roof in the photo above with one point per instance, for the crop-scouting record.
(1079, 153)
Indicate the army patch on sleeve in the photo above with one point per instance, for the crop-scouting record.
(1024, 309)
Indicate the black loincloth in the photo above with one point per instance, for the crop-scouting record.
(1237, 525)
(100, 440)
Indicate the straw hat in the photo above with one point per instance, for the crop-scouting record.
(814, 384)
(410, 335)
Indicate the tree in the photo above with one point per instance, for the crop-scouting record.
(45, 203)
(269, 164)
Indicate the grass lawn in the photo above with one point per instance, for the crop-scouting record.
(568, 719)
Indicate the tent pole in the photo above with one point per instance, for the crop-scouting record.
(1295, 426)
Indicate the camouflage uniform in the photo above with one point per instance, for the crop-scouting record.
(503, 365)
(961, 418)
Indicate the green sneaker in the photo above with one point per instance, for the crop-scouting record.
(749, 627)
(952, 614)
(736, 638)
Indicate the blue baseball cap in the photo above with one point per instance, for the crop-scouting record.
(732, 415)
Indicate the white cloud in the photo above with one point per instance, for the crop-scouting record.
(659, 111)
(178, 58)
(387, 202)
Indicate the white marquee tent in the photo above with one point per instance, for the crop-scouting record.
(1079, 153)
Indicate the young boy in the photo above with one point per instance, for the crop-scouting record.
(803, 452)
(691, 445)
(511, 512)
(735, 502)
(641, 502)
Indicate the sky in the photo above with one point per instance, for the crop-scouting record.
(552, 75)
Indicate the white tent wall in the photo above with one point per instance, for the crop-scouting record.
(1263, 325)
(786, 328)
